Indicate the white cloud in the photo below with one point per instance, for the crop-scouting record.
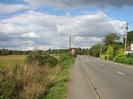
(53, 31)
(9, 8)
(11, 28)
(30, 35)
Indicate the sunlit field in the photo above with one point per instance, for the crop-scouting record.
(11, 60)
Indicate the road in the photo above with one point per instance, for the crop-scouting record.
(93, 78)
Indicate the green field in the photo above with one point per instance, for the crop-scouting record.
(11, 60)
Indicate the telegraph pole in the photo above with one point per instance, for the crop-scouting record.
(70, 42)
(125, 46)
(101, 48)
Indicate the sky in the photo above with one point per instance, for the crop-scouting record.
(44, 24)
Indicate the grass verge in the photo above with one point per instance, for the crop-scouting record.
(59, 89)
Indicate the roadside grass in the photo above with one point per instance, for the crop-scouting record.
(10, 60)
(50, 82)
(30, 80)
(59, 89)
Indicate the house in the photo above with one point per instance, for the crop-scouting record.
(129, 49)
(73, 52)
(132, 46)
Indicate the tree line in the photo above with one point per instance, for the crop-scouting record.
(113, 49)
(13, 52)
(110, 46)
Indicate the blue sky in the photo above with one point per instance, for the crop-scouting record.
(122, 13)
(30, 23)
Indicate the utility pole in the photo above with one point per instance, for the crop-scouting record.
(101, 48)
(125, 46)
(70, 42)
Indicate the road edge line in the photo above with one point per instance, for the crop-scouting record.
(94, 89)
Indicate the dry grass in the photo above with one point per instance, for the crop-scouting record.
(32, 80)
(20, 80)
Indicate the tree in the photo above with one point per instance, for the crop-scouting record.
(83, 51)
(110, 52)
(95, 50)
(116, 47)
(110, 39)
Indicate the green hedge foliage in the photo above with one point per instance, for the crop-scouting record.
(124, 59)
(42, 59)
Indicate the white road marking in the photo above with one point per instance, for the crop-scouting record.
(101, 64)
(121, 73)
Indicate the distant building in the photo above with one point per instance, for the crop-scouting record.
(73, 52)
(132, 46)
(129, 49)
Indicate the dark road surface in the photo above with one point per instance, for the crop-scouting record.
(93, 78)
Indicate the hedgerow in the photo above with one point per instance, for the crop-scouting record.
(42, 59)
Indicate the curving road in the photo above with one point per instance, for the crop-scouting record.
(93, 78)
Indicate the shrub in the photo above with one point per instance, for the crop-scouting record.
(123, 59)
(42, 59)
(130, 55)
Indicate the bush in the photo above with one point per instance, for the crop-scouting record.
(42, 59)
(123, 59)
(130, 55)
